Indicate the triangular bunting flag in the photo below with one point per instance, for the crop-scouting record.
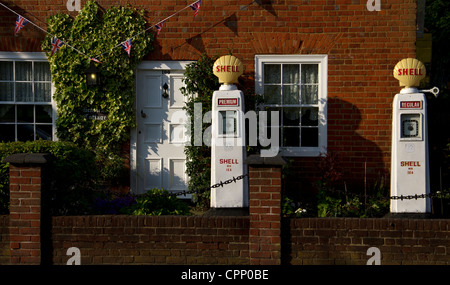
(20, 23)
(159, 27)
(56, 45)
(127, 46)
(196, 7)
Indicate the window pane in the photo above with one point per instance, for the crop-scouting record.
(24, 92)
(6, 70)
(6, 91)
(291, 73)
(272, 94)
(229, 121)
(42, 92)
(25, 113)
(42, 71)
(310, 137)
(310, 73)
(7, 114)
(291, 94)
(7, 133)
(272, 73)
(44, 132)
(25, 132)
(43, 114)
(23, 71)
(291, 117)
(291, 137)
(310, 117)
(310, 94)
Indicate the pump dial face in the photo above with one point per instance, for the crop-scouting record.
(410, 128)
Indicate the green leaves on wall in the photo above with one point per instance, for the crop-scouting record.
(94, 32)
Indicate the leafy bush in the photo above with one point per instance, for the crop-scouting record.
(113, 203)
(200, 85)
(73, 172)
(156, 202)
(94, 31)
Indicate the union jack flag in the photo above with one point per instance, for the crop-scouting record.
(20, 23)
(159, 27)
(196, 6)
(56, 45)
(127, 46)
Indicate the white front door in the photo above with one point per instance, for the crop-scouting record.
(157, 152)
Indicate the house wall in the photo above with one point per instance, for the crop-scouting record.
(362, 49)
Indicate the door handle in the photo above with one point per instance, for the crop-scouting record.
(143, 115)
(165, 94)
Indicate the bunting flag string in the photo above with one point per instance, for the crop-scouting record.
(56, 45)
(159, 27)
(126, 45)
(20, 23)
(196, 7)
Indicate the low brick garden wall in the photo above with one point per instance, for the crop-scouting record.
(345, 241)
(29, 236)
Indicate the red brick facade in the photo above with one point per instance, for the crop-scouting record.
(362, 49)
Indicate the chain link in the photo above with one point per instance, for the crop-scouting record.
(437, 194)
(219, 184)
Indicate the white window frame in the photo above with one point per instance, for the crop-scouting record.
(33, 56)
(322, 61)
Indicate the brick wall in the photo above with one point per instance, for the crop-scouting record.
(362, 49)
(4, 239)
(263, 237)
(342, 241)
(265, 212)
(152, 240)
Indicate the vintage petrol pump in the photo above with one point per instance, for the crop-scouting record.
(228, 150)
(409, 164)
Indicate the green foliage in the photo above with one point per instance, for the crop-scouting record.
(93, 33)
(156, 202)
(200, 84)
(112, 170)
(4, 189)
(290, 208)
(73, 172)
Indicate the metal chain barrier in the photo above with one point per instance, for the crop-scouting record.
(219, 184)
(437, 194)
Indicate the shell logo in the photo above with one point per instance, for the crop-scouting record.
(228, 68)
(409, 72)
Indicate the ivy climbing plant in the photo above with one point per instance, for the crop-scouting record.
(200, 84)
(94, 32)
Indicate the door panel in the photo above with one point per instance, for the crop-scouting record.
(160, 132)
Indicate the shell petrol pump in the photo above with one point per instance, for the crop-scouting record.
(228, 150)
(409, 163)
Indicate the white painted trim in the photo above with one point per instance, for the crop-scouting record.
(163, 65)
(34, 56)
(23, 55)
(322, 60)
(147, 65)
